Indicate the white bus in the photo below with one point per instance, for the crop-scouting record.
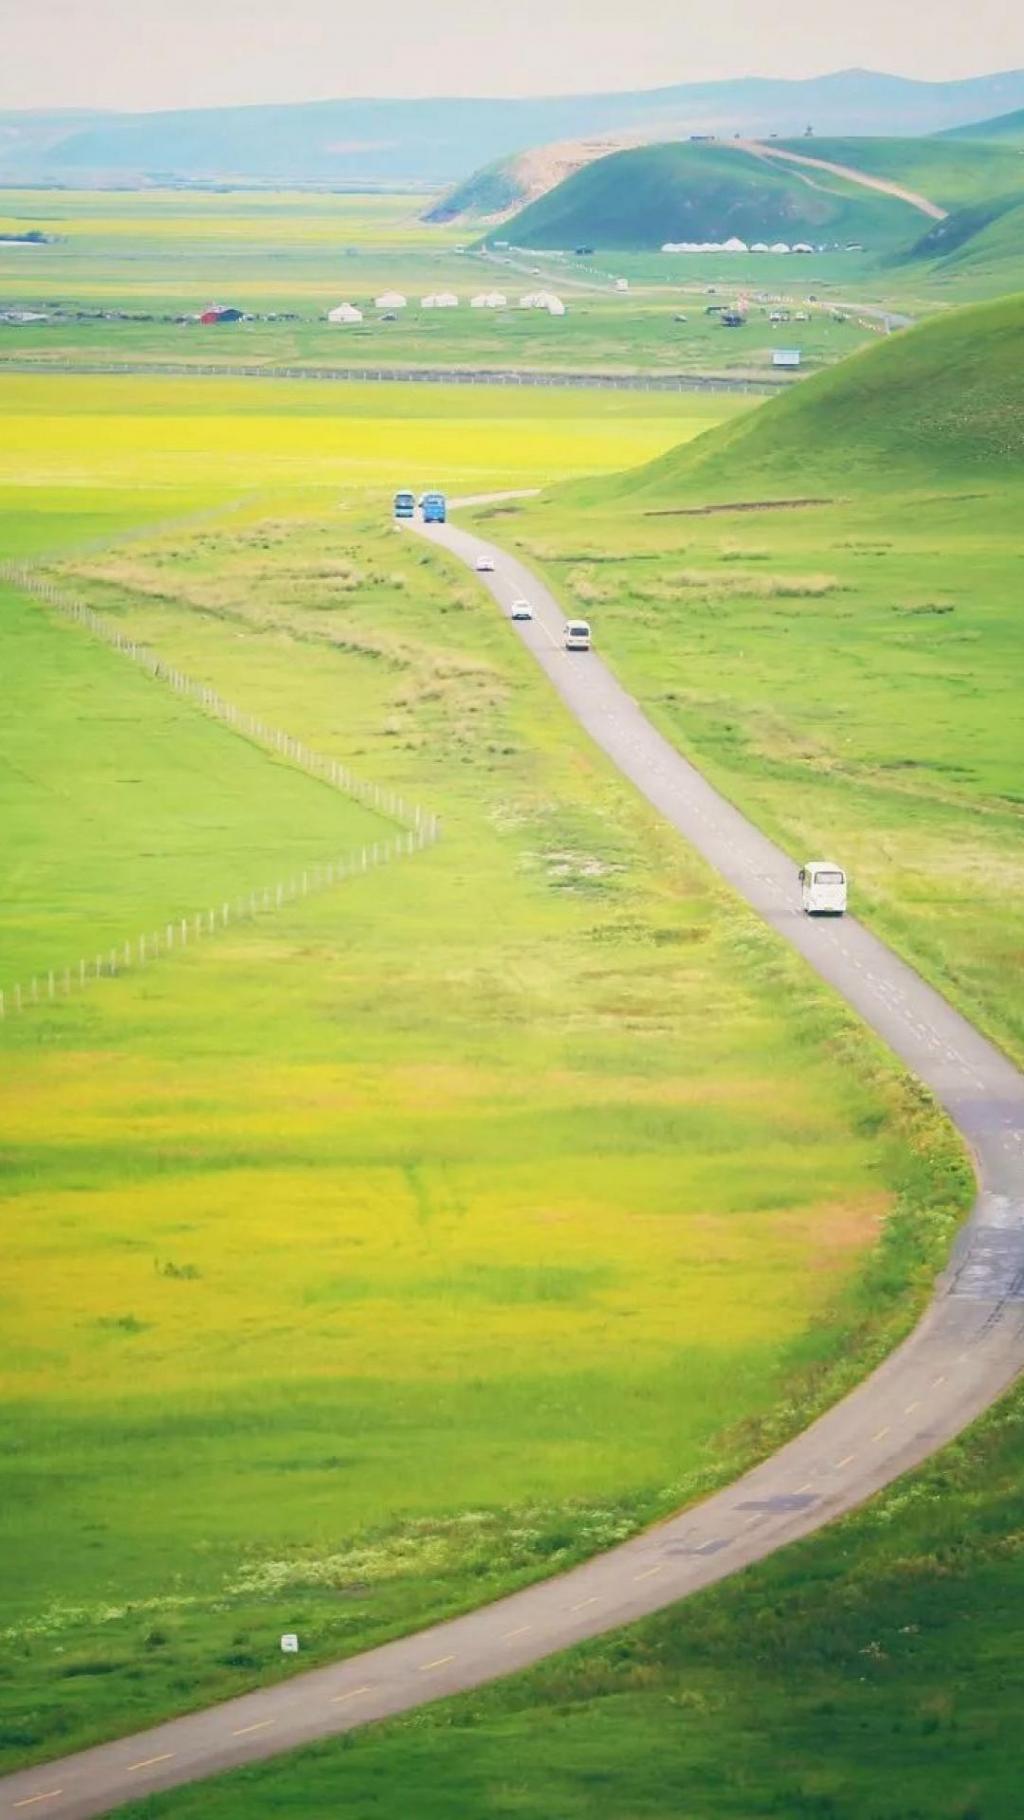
(577, 635)
(823, 885)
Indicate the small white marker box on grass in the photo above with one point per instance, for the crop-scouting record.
(290, 1643)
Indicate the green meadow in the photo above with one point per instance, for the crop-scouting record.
(75, 444)
(820, 603)
(294, 256)
(871, 1673)
(396, 1248)
(821, 606)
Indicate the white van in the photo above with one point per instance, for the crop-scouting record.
(823, 885)
(577, 635)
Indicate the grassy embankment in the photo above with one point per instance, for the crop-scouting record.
(847, 670)
(163, 254)
(403, 1246)
(872, 1673)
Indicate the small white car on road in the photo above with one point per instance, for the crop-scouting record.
(577, 635)
(520, 609)
(823, 885)
(485, 565)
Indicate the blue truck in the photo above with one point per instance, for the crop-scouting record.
(405, 505)
(433, 508)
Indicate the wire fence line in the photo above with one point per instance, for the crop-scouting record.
(402, 375)
(55, 983)
(419, 827)
(249, 726)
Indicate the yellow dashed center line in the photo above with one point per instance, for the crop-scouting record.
(521, 1632)
(941, 1379)
(583, 1604)
(802, 1488)
(30, 1800)
(148, 1762)
(648, 1571)
(847, 1462)
(880, 1436)
(244, 1730)
(353, 1694)
(911, 1408)
(439, 1662)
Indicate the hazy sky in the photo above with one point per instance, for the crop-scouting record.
(181, 53)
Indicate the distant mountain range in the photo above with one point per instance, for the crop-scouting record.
(434, 143)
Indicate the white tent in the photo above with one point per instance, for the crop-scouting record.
(391, 300)
(555, 306)
(489, 300)
(734, 245)
(780, 247)
(440, 300)
(345, 312)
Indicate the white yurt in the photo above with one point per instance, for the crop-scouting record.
(345, 312)
(555, 306)
(390, 300)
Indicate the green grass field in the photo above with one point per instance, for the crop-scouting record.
(846, 670)
(871, 1673)
(165, 254)
(398, 1248)
(79, 442)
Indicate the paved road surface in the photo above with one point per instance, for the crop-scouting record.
(966, 1350)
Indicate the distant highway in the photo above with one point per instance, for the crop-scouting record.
(965, 1352)
(381, 375)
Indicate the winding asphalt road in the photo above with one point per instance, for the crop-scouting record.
(966, 1350)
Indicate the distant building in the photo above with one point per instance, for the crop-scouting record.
(390, 300)
(440, 300)
(785, 357)
(345, 312)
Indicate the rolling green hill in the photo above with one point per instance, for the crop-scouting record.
(950, 172)
(978, 250)
(1004, 127)
(636, 200)
(946, 398)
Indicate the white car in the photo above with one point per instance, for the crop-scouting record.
(520, 609)
(485, 565)
(577, 635)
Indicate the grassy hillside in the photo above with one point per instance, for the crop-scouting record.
(981, 247)
(638, 199)
(944, 402)
(1002, 127)
(493, 190)
(948, 171)
(846, 669)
